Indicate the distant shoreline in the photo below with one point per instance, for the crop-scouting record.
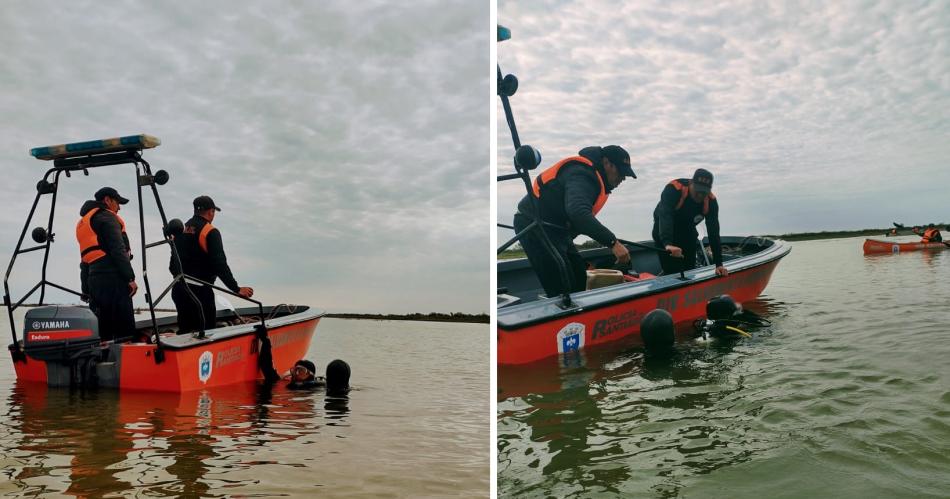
(517, 252)
(433, 317)
(430, 317)
(811, 236)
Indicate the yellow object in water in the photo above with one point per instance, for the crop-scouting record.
(743, 333)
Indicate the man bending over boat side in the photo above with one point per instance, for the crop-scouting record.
(569, 194)
(684, 203)
(930, 235)
(201, 251)
(105, 272)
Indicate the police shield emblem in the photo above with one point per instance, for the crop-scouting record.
(204, 366)
(570, 338)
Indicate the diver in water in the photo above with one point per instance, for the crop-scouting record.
(337, 381)
(303, 376)
(725, 316)
(338, 378)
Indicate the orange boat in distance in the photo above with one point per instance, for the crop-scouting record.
(61, 346)
(872, 246)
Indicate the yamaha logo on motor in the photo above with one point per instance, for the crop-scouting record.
(50, 324)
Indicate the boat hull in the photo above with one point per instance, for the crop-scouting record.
(223, 358)
(536, 331)
(875, 246)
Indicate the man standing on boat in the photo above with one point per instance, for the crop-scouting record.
(105, 270)
(569, 194)
(201, 251)
(683, 204)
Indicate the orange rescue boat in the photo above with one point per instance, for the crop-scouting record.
(875, 246)
(61, 346)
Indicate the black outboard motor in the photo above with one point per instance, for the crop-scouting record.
(66, 338)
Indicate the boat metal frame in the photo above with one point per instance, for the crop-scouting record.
(506, 87)
(67, 164)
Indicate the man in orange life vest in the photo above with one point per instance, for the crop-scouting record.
(202, 256)
(108, 280)
(930, 235)
(683, 204)
(569, 194)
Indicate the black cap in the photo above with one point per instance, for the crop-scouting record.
(110, 192)
(202, 203)
(702, 180)
(620, 158)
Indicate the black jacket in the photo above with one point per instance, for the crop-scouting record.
(672, 226)
(196, 262)
(111, 239)
(568, 200)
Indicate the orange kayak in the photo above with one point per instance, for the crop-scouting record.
(875, 246)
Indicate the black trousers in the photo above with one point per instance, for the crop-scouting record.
(190, 314)
(545, 266)
(675, 265)
(109, 299)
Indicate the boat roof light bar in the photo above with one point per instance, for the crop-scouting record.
(101, 146)
(503, 33)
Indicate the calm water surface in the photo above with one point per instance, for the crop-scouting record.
(846, 395)
(415, 426)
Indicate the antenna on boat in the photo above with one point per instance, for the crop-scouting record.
(526, 159)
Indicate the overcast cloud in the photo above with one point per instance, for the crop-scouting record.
(347, 142)
(812, 115)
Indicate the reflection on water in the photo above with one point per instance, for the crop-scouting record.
(103, 442)
(613, 407)
(844, 395)
(414, 425)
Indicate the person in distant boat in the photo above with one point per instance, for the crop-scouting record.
(931, 235)
(570, 194)
(684, 204)
(105, 270)
(201, 252)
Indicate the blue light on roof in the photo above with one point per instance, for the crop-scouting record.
(138, 142)
(503, 33)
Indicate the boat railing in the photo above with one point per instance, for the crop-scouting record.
(527, 158)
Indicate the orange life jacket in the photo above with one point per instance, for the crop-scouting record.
(89, 248)
(202, 236)
(684, 192)
(549, 175)
(929, 235)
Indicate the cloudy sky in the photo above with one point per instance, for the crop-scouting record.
(347, 142)
(812, 115)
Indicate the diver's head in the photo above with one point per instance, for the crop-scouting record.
(656, 330)
(303, 371)
(338, 378)
(722, 307)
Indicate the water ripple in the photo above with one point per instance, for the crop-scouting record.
(847, 388)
